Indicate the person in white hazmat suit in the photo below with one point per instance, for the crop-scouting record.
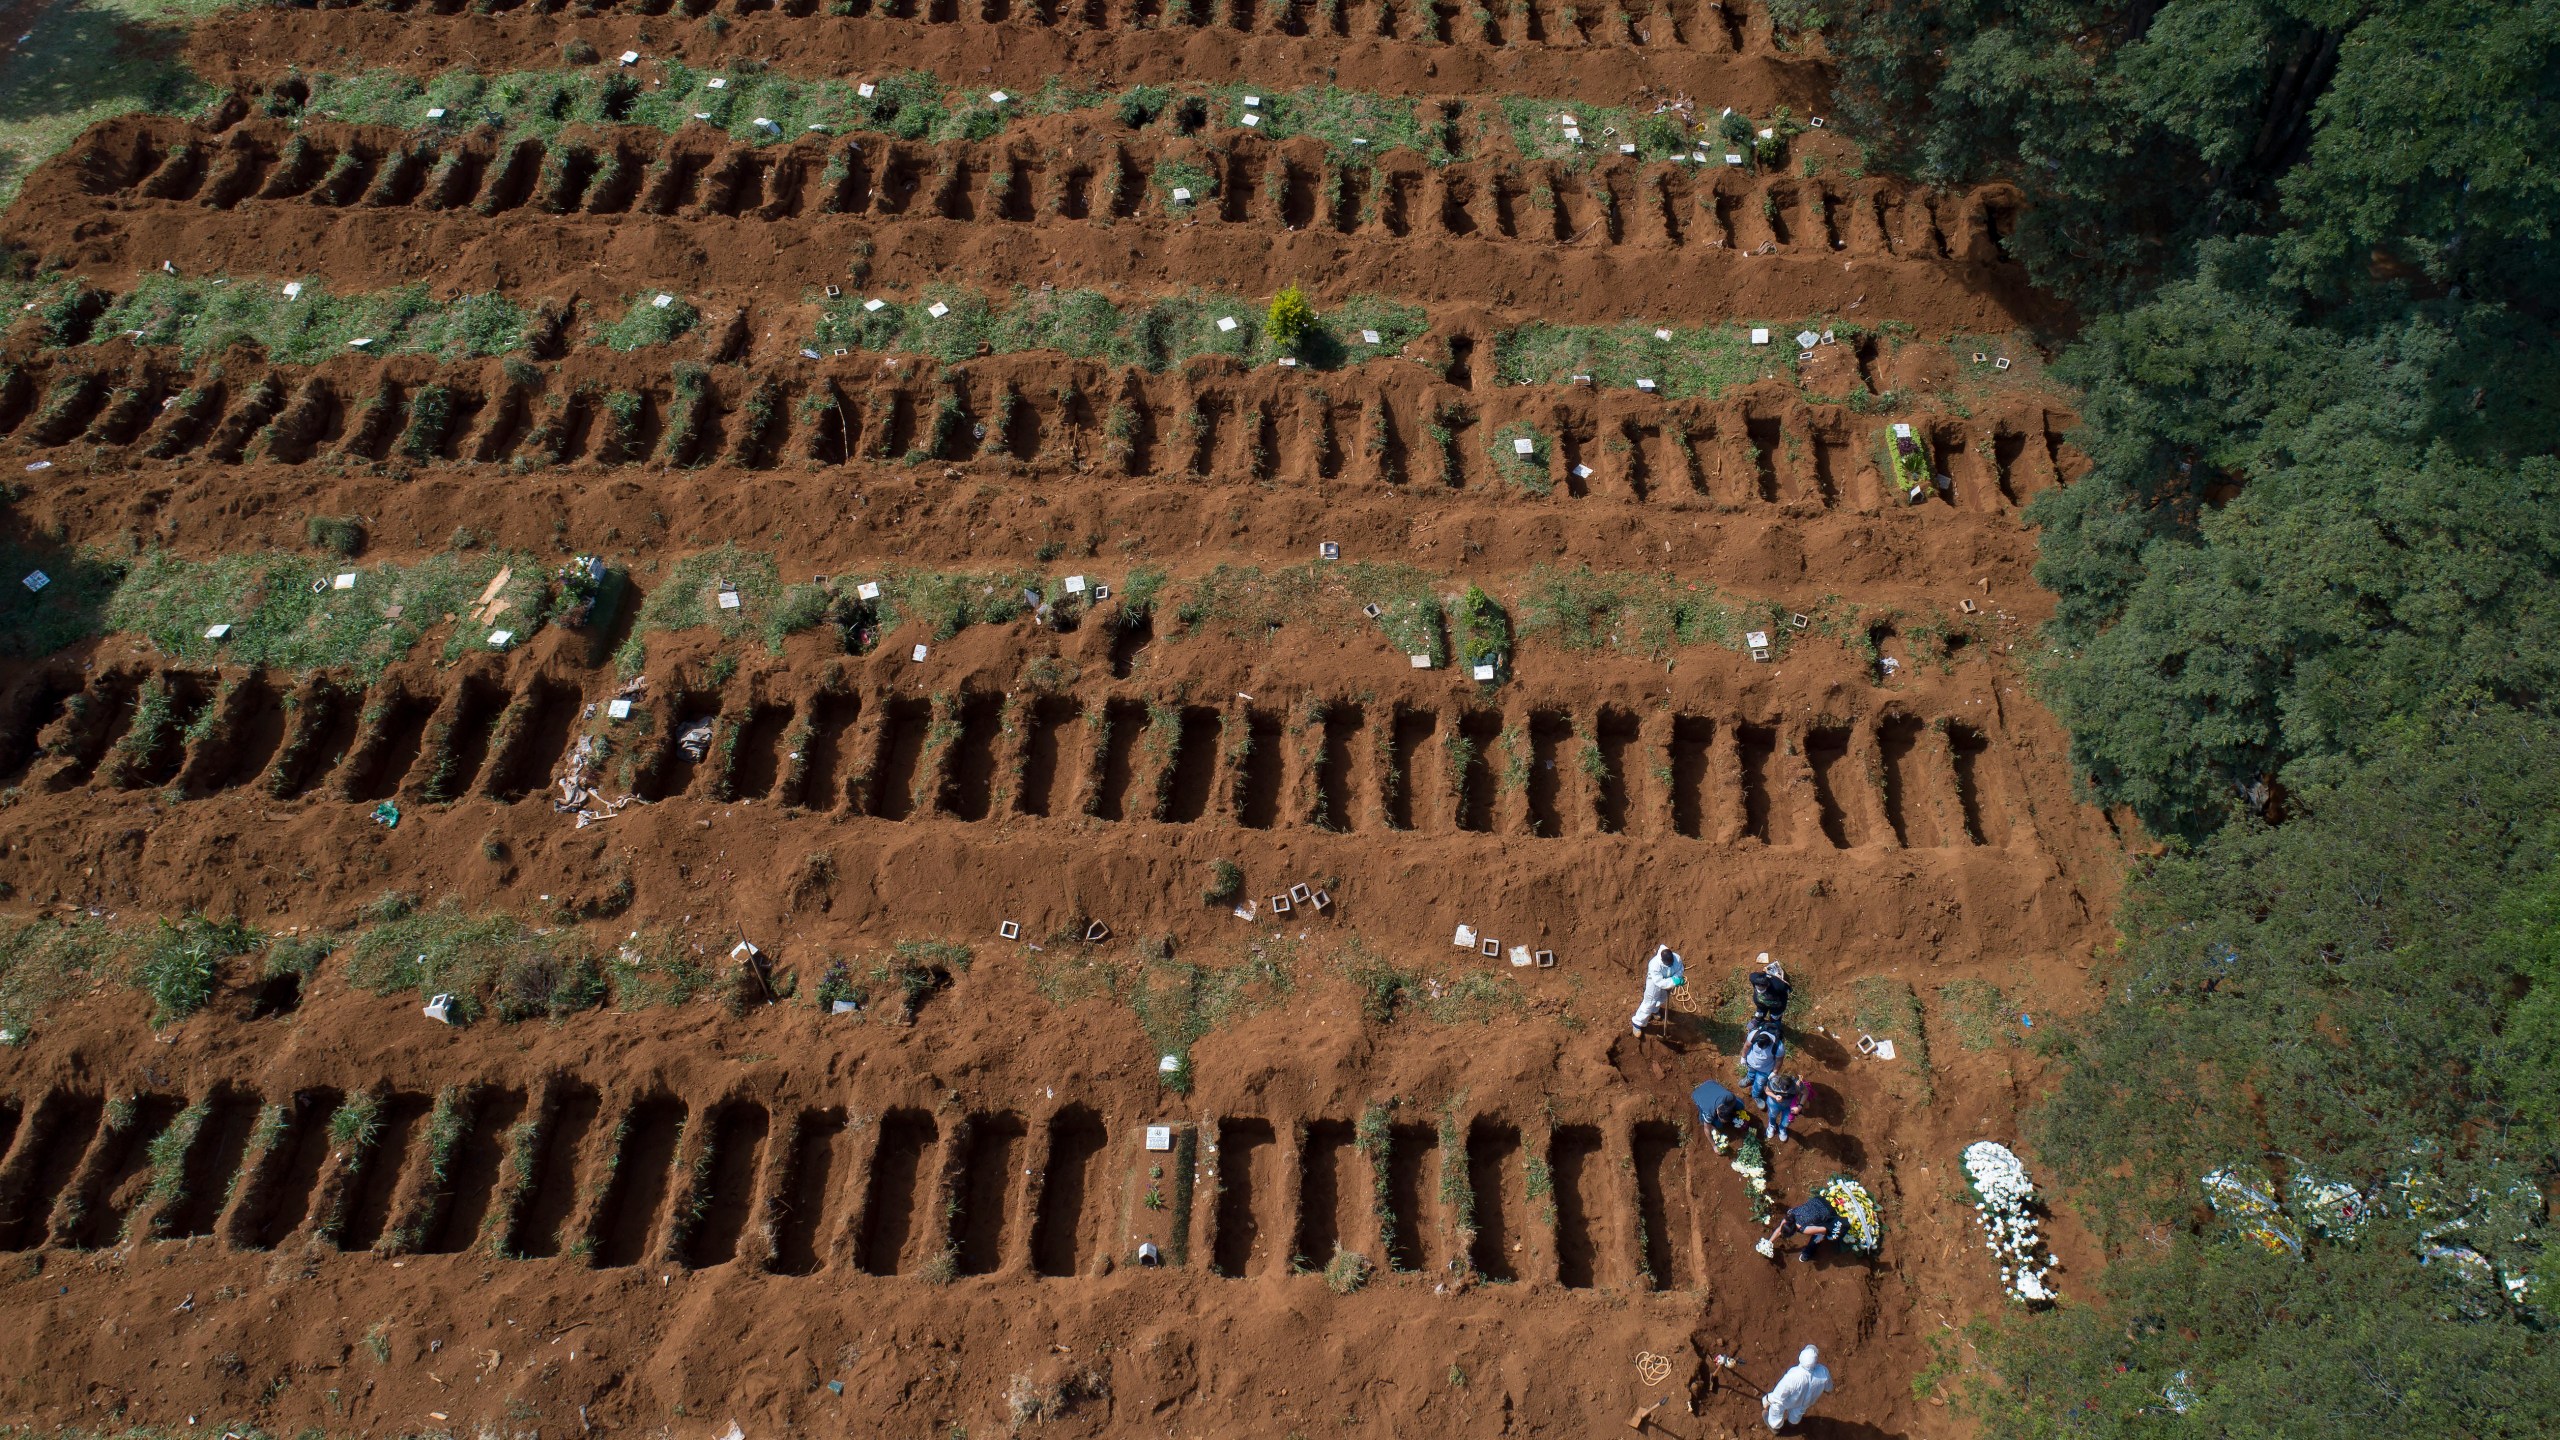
(1797, 1390)
(1662, 975)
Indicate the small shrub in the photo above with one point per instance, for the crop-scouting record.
(340, 535)
(182, 960)
(357, 1123)
(1347, 1271)
(300, 955)
(1290, 321)
(1226, 881)
(1484, 628)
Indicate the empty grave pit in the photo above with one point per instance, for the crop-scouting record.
(558, 1173)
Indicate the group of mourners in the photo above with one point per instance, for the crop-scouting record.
(1781, 1096)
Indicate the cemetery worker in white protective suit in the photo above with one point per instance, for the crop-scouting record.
(1797, 1390)
(1662, 975)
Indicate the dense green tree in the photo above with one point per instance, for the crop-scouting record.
(2308, 628)
(2345, 975)
(2351, 1341)
(2293, 536)
(2410, 132)
(2331, 995)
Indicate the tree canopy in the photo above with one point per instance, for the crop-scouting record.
(2307, 629)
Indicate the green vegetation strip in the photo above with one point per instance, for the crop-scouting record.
(279, 619)
(1151, 335)
(204, 316)
(506, 967)
(754, 105)
(1677, 362)
(286, 612)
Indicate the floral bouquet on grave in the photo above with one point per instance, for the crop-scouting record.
(1861, 1220)
(1753, 1166)
(2332, 1208)
(2246, 1198)
(2003, 1196)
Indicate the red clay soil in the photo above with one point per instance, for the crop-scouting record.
(925, 1218)
(1959, 874)
(746, 224)
(1760, 491)
(1692, 53)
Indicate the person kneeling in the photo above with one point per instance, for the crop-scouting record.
(1720, 1110)
(1815, 1220)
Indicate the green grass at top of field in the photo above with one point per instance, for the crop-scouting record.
(84, 61)
(1153, 335)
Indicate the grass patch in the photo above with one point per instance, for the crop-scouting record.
(1153, 335)
(1245, 602)
(205, 317)
(689, 598)
(1389, 991)
(46, 963)
(1457, 1186)
(1484, 630)
(1975, 1013)
(1374, 1138)
(1177, 1001)
(645, 322)
(1702, 362)
(916, 967)
(948, 602)
(1532, 471)
(1226, 882)
(446, 1124)
(487, 963)
(181, 961)
(1888, 1009)
(340, 535)
(1542, 1188)
(658, 967)
(1336, 116)
(1347, 1271)
(72, 606)
(1537, 130)
(279, 621)
(1355, 127)
(1586, 609)
(545, 104)
(166, 1158)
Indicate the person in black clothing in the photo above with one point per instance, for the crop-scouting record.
(1720, 1109)
(1769, 995)
(1815, 1220)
